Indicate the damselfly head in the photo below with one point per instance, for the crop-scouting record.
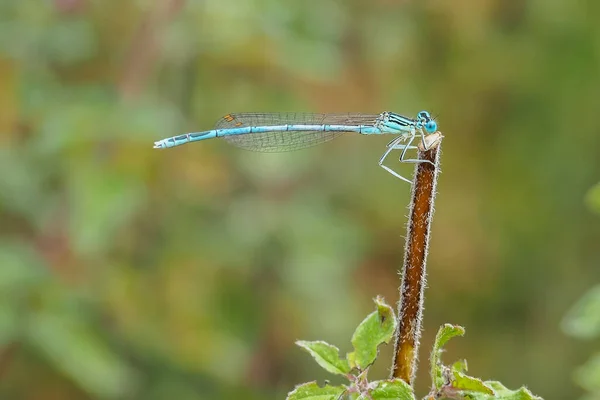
(431, 126)
(424, 118)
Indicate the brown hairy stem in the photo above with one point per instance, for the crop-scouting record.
(410, 306)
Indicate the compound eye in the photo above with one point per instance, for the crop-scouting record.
(431, 126)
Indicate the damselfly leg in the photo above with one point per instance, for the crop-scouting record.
(393, 145)
(394, 141)
(414, 160)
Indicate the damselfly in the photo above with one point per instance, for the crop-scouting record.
(275, 132)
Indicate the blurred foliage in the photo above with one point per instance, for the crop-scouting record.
(593, 198)
(131, 273)
(583, 322)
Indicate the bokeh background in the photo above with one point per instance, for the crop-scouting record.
(132, 273)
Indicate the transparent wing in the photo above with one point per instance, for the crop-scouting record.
(279, 141)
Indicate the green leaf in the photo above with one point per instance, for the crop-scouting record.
(460, 366)
(499, 392)
(312, 391)
(327, 356)
(351, 357)
(445, 333)
(462, 384)
(588, 375)
(395, 389)
(469, 384)
(374, 330)
(504, 393)
(583, 320)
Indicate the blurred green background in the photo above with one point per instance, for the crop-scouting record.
(131, 273)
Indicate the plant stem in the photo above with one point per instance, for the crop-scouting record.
(410, 306)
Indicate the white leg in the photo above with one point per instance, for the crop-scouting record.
(413, 160)
(416, 161)
(394, 144)
(407, 144)
(423, 139)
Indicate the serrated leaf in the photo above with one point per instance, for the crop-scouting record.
(583, 320)
(327, 356)
(395, 389)
(444, 334)
(503, 393)
(588, 375)
(377, 328)
(312, 391)
(469, 384)
(460, 366)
